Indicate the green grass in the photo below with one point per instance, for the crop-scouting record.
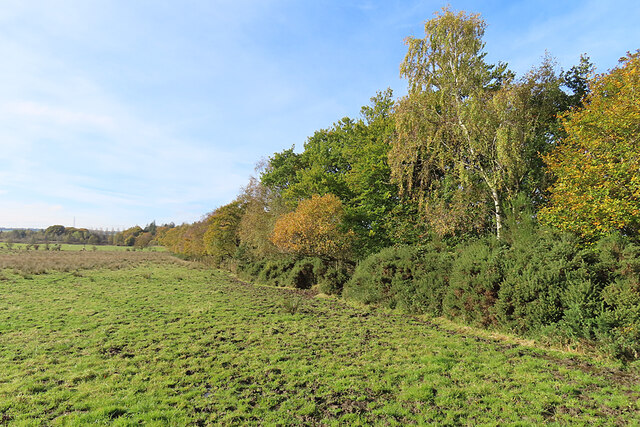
(161, 341)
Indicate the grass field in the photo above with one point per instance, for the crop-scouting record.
(136, 337)
(79, 247)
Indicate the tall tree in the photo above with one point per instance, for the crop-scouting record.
(597, 164)
(221, 236)
(348, 160)
(373, 196)
(281, 170)
(465, 128)
(262, 207)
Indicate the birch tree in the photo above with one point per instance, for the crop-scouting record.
(463, 127)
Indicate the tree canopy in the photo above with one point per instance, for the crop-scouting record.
(597, 164)
(314, 229)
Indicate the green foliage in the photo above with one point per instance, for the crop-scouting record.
(327, 277)
(475, 280)
(221, 236)
(280, 173)
(348, 160)
(325, 165)
(304, 273)
(537, 273)
(616, 303)
(276, 272)
(333, 277)
(370, 211)
(453, 133)
(468, 135)
(55, 230)
(541, 283)
(292, 305)
(410, 278)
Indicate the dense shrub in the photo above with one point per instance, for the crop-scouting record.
(334, 277)
(616, 271)
(474, 284)
(275, 272)
(304, 273)
(536, 274)
(300, 273)
(412, 278)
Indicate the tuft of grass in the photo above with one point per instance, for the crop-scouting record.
(291, 305)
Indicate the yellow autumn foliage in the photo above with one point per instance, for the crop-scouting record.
(314, 229)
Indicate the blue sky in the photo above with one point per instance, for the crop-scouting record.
(123, 112)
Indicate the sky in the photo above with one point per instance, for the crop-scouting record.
(116, 113)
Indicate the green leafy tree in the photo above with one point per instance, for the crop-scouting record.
(281, 170)
(466, 132)
(348, 160)
(371, 210)
(596, 165)
(434, 157)
(221, 236)
(325, 165)
(262, 207)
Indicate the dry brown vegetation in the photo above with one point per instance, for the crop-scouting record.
(32, 262)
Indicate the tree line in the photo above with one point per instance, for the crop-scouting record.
(135, 236)
(502, 200)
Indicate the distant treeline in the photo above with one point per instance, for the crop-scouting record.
(135, 236)
(507, 202)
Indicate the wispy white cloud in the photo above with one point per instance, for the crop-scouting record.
(58, 115)
(125, 112)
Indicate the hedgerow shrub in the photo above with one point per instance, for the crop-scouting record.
(536, 273)
(300, 273)
(616, 270)
(334, 277)
(411, 278)
(275, 272)
(474, 284)
(537, 282)
(304, 273)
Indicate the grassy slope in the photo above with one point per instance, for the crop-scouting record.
(145, 341)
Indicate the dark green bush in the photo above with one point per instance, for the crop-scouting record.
(304, 273)
(536, 270)
(475, 282)
(297, 273)
(302, 276)
(412, 278)
(334, 277)
(616, 271)
(275, 272)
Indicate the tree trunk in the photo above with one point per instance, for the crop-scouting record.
(498, 212)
